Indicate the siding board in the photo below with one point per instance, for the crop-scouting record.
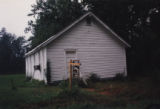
(99, 52)
(38, 58)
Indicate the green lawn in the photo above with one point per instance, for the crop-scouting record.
(17, 93)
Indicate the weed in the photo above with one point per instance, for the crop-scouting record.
(69, 94)
(64, 84)
(36, 95)
(13, 87)
(28, 78)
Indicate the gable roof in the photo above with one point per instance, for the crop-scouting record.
(49, 40)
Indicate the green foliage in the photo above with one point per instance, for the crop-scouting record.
(36, 95)
(33, 83)
(52, 16)
(94, 77)
(28, 78)
(11, 53)
(74, 93)
(64, 84)
(26, 94)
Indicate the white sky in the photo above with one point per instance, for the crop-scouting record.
(13, 15)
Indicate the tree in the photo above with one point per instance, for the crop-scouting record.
(11, 53)
(50, 17)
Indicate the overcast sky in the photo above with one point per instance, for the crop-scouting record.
(13, 15)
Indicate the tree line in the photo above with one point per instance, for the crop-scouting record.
(12, 49)
(136, 21)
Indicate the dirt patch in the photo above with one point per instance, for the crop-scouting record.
(105, 93)
(90, 89)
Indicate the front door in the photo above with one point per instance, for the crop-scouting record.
(70, 55)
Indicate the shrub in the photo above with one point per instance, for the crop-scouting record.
(90, 82)
(94, 77)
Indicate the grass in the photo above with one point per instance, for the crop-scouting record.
(24, 92)
(17, 93)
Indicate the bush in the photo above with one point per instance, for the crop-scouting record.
(94, 77)
(90, 82)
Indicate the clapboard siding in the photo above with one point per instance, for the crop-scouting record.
(99, 52)
(38, 58)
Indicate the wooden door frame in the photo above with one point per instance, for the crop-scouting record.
(65, 60)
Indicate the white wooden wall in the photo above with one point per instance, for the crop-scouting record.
(38, 58)
(98, 50)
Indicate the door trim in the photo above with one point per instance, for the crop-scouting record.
(65, 60)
